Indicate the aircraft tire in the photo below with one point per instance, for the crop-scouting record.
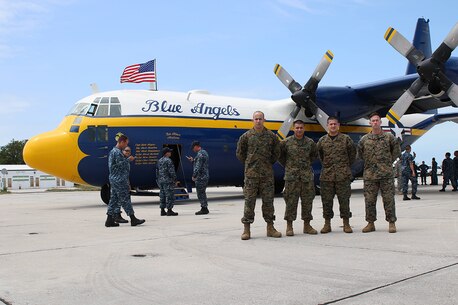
(105, 193)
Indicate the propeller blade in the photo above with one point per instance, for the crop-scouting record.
(286, 126)
(322, 118)
(404, 101)
(452, 38)
(452, 93)
(444, 51)
(319, 72)
(286, 79)
(403, 46)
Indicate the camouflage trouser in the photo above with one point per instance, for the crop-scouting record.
(343, 190)
(166, 195)
(201, 186)
(295, 189)
(265, 187)
(371, 188)
(406, 176)
(119, 196)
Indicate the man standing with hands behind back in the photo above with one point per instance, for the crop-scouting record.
(258, 149)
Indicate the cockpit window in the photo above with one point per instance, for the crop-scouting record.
(79, 109)
(105, 106)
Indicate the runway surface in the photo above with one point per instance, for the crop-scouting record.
(55, 249)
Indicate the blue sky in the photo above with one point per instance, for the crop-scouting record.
(51, 50)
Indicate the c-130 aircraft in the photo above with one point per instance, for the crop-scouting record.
(77, 150)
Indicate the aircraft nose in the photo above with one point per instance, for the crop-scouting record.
(54, 153)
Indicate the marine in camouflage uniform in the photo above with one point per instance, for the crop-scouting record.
(379, 150)
(408, 174)
(337, 153)
(258, 149)
(297, 152)
(448, 173)
(118, 167)
(200, 175)
(166, 179)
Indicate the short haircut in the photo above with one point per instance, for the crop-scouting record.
(447, 154)
(374, 114)
(299, 122)
(259, 111)
(122, 138)
(333, 118)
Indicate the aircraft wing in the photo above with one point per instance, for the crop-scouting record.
(383, 95)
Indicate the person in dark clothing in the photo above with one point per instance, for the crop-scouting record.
(448, 172)
(434, 172)
(423, 172)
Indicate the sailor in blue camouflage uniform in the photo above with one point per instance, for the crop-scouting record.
(118, 166)
(408, 173)
(166, 180)
(448, 173)
(200, 175)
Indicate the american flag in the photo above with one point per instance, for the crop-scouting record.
(140, 73)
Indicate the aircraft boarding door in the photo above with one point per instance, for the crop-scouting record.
(177, 159)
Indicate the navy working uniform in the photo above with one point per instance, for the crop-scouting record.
(200, 175)
(406, 161)
(118, 166)
(166, 177)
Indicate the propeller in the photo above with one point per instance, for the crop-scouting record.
(304, 97)
(430, 71)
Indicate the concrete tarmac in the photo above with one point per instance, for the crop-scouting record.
(55, 249)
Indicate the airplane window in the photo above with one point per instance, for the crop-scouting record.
(104, 100)
(97, 100)
(102, 110)
(115, 100)
(115, 110)
(74, 128)
(92, 109)
(79, 109)
(77, 120)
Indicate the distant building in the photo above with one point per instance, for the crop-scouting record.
(17, 177)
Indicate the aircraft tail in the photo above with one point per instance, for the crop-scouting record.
(421, 41)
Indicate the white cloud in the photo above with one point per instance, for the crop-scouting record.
(12, 104)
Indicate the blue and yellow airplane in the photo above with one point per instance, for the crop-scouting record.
(77, 149)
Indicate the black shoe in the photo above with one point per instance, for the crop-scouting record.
(135, 221)
(110, 222)
(454, 190)
(442, 190)
(118, 218)
(203, 211)
(406, 197)
(415, 197)
(171, 213)
(163, 212)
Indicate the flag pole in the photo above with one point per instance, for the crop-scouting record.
(153, 85)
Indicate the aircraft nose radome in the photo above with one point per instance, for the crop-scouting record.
(52, 152)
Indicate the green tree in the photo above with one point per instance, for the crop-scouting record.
(11, 153)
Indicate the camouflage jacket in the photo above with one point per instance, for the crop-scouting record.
(406, 160)
(118, 167)
(200, 166)
(378, 151)
(336, 155)
(448, 168)
(258, 151)
(165, 171)
(297, 155)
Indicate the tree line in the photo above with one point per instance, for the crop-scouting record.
(11, 153)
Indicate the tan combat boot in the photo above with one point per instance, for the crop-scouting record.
(369, 228)
(392, 227)
(289, 228)
(246, 231)
(346, 226)
(327, 226)
(308, 228)
(271, 231)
